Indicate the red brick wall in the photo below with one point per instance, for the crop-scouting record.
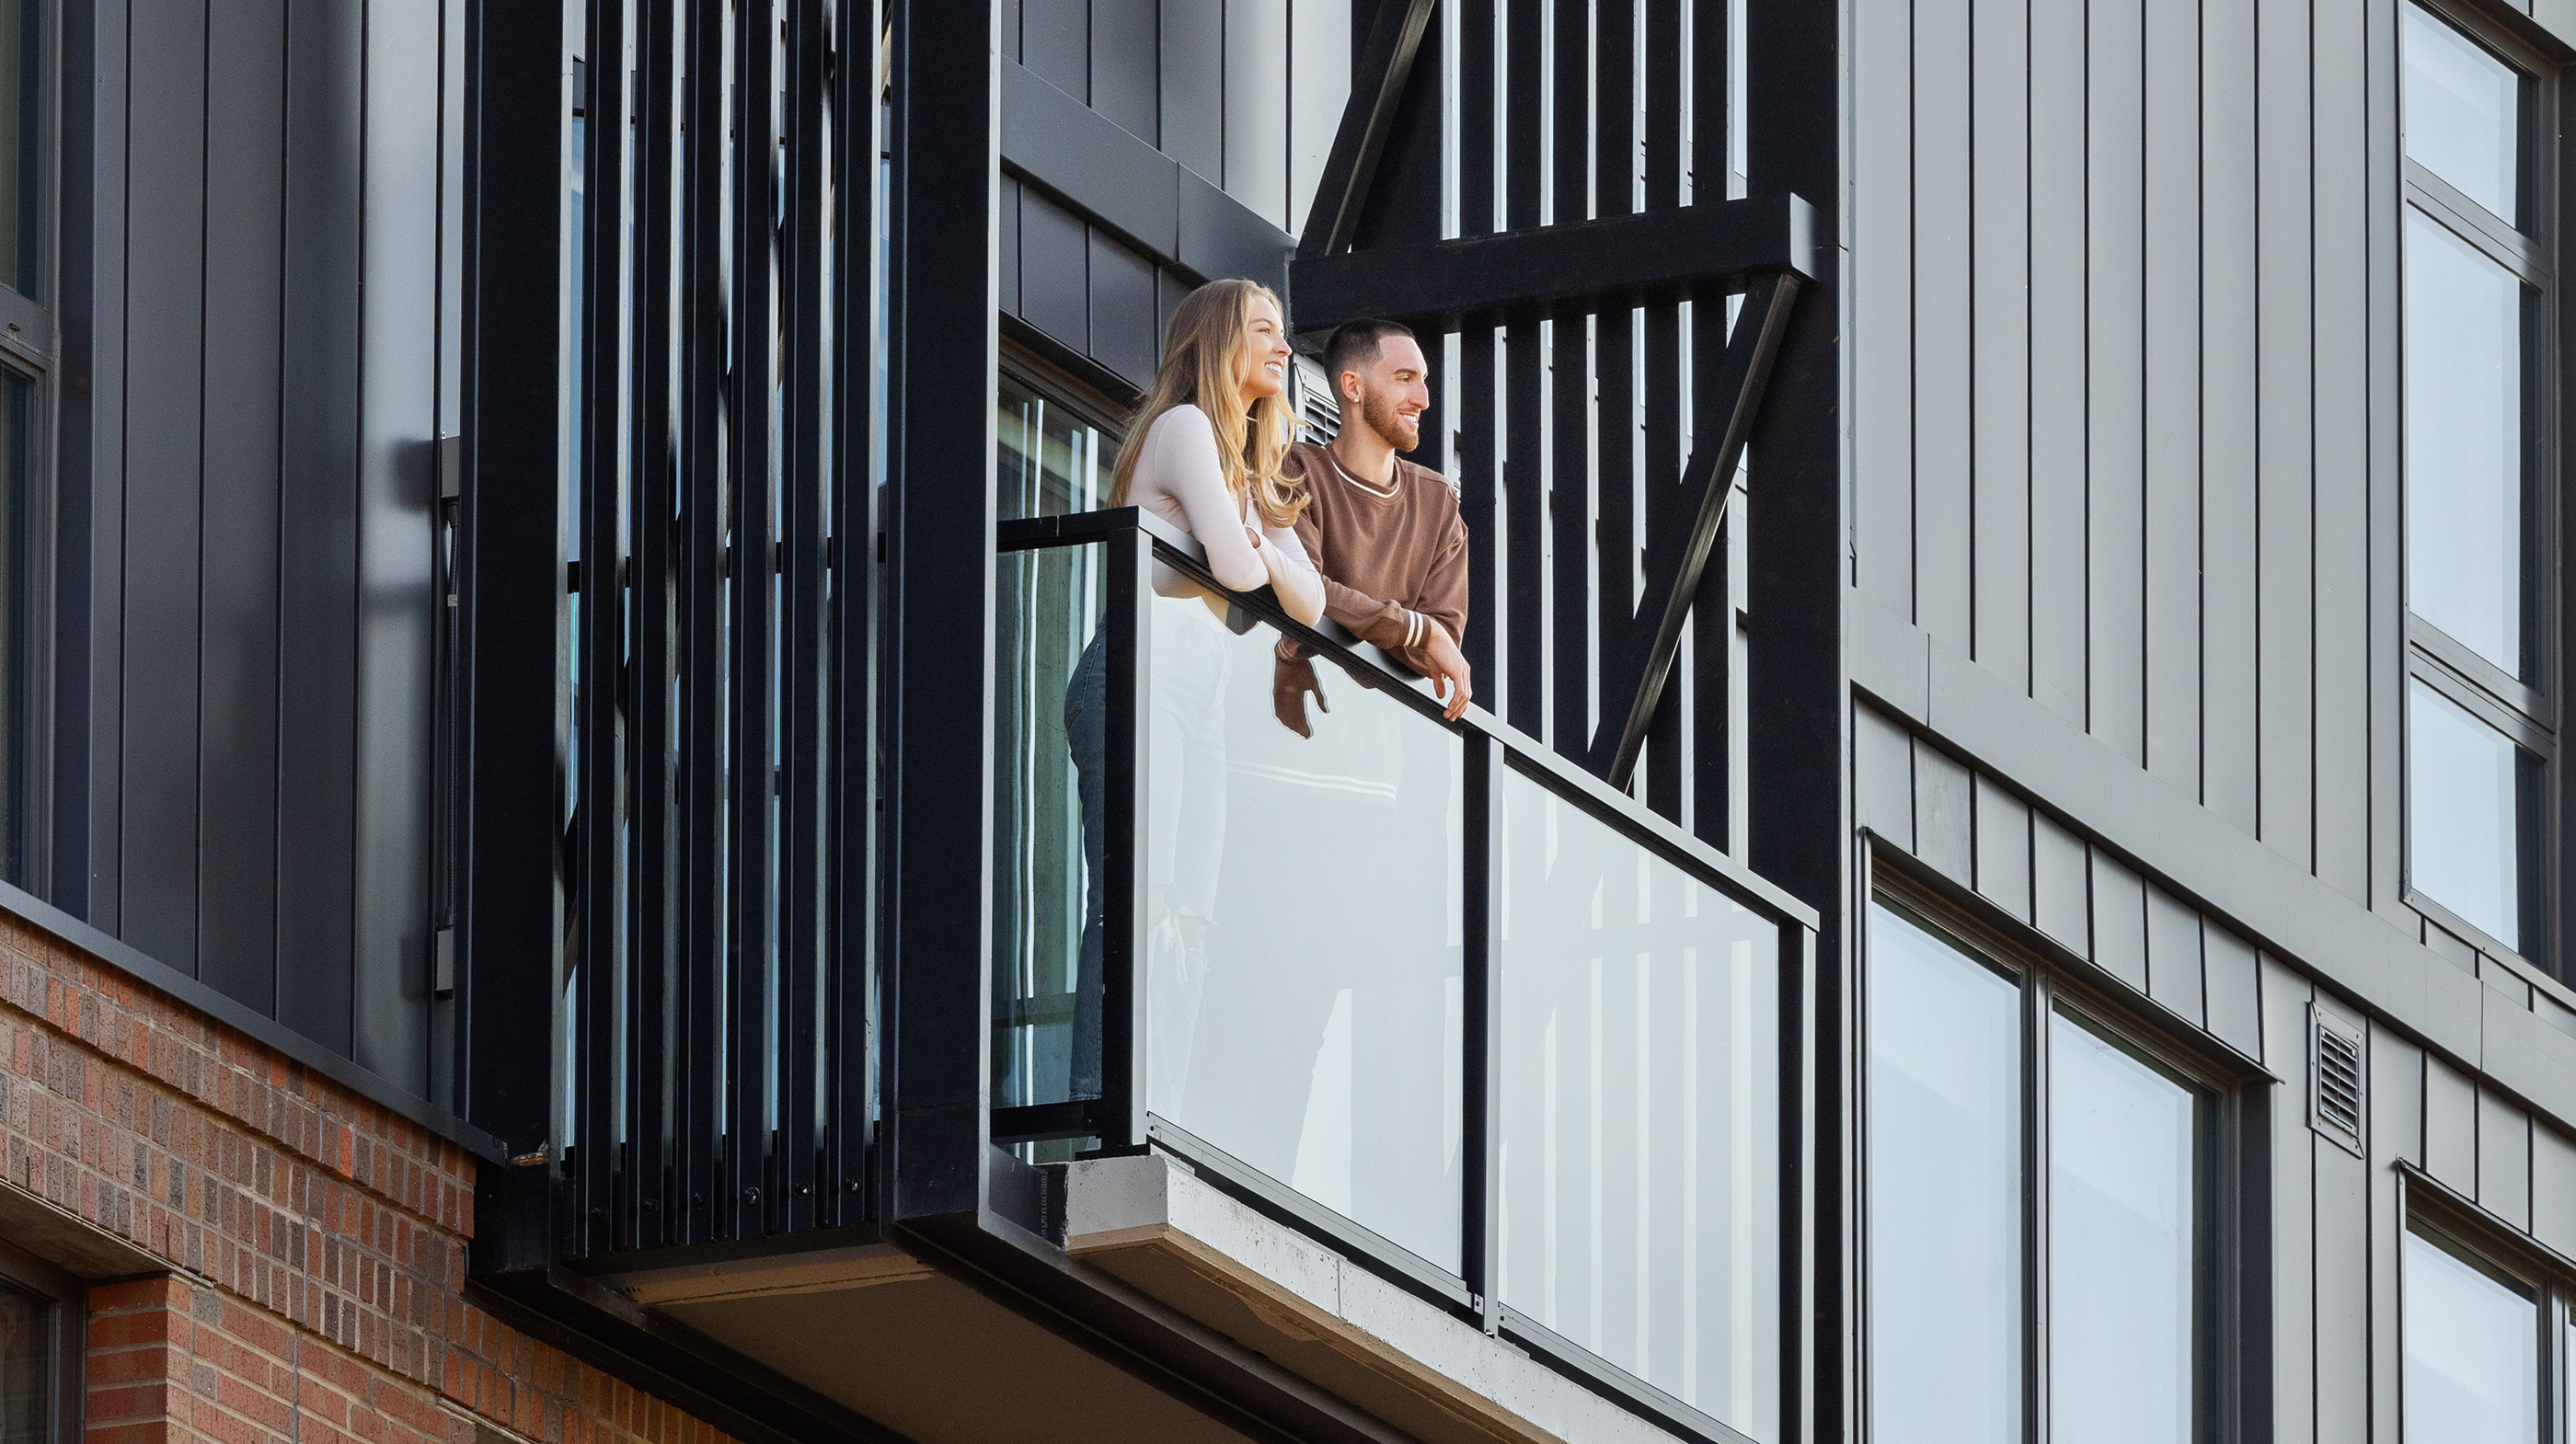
(315, 1241)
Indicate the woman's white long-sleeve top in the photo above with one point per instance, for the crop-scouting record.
(1180, 478)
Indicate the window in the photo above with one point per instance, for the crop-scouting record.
(2473, 1337)
(1983, 1076)
(41, 1324)
(2478, 740)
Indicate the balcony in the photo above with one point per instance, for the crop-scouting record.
(1415, 997)
(1396, 1079)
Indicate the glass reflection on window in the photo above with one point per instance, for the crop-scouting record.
(2472, 1351)
(2469, 794)
(2122, 1163)
(1053, 461)
(2464, 445)
(2463, 114)
(27, 1367)
(1945, 1192)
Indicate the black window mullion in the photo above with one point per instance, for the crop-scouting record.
(2038, 998)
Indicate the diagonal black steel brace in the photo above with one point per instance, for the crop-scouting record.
(1394, 39)
(1643, 659)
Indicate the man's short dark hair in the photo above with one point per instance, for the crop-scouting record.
(1355, 345)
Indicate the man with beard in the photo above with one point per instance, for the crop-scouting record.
(1393, 550)
(1325, 1047)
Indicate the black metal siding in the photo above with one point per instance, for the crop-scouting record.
(1243, 95)
(252, 497)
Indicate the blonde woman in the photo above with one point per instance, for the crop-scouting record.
(1202, 453)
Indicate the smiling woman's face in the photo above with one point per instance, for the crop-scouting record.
(1265, 352)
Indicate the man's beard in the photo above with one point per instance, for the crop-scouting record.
(1399, 431)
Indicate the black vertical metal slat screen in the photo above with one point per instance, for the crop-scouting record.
(1574, 420)
(718, 846)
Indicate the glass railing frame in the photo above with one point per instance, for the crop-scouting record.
(1135, 540)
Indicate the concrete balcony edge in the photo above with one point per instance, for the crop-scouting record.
(1152, 1224)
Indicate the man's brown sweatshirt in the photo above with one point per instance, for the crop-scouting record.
(1391, 557)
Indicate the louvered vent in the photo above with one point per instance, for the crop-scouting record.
(1315, 403)
(2335, 1075)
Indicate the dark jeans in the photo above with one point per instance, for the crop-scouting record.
(1086, 724)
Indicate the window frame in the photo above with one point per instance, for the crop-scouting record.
(2432, 1210)
(31, 341)
(2522, 709)
(69, 1295)
(2231, 1124)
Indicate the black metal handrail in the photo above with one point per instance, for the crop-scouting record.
(1119, 1119)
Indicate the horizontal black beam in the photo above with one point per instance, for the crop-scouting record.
(1570, 268)
(1158, 206)
(1385, 67)
(1079, 1118)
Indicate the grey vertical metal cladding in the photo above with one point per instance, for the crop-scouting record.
(250, 385)
(1055, 41)
(2060, 646)
(1125, 71)
(2284, 431)
(2228, 414)
(2342, 495)
(397, 491)
(2115, 265)
(1256, 107)
(2003, 848)
(166, 272)
(2000, 265)
(245, 197)
(1881, 279)
(318, 546)
(1055, 277)
(1125, 336)
(2172, 280)
(1945, 552)
(1192, 87)
(101, 436)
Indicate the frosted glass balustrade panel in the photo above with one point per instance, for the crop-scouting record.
(1303, 930)
(1639, 1144)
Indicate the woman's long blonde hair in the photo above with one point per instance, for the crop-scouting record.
(1202, 367)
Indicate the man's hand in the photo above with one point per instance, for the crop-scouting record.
(1447, 668)
(1290, 681)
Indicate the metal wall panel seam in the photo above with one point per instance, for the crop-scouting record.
(245, 234)
(2198, 854)
(318, 547)
(165, 269)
